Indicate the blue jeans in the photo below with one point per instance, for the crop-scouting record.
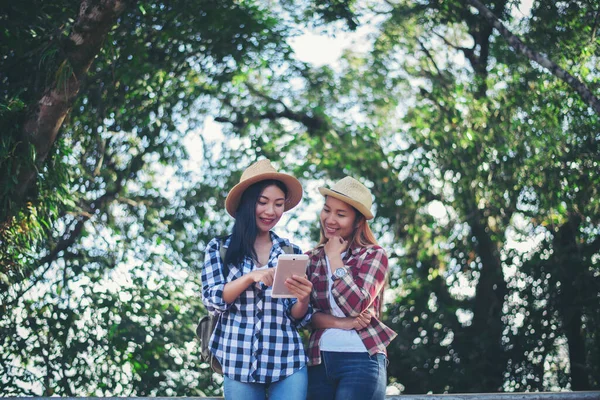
(292, 387)
(348, 376)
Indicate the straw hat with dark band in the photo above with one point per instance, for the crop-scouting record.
(260, 171)
(351, 191)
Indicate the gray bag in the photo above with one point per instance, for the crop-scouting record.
(204, 330)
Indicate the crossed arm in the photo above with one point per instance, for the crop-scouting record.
(321, 320)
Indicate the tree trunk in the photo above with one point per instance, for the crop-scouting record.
(95, 20)
(570, 266)
(487, 356)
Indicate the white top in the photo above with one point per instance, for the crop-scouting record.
(339, 340)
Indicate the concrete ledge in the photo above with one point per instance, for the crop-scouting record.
(470, 396)
(502, 396)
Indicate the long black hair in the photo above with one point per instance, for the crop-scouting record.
(244, 229)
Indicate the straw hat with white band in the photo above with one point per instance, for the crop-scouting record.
(260, 171)
(351, 191)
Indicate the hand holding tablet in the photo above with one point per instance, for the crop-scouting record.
(288, 265)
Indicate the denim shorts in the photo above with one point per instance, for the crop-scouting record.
(348, 376)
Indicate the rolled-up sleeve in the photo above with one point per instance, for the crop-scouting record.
(213, 280)
(298, 323)
(355, 293)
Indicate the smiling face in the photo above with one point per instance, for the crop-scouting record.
(337, 218)
(269, 208)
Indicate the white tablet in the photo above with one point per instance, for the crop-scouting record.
(288, 265)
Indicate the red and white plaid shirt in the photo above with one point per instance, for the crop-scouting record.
(361, 288)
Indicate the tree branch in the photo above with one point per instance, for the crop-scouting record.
(429, 56)
(95, 20)
(313, 123)
(520, 47)
(469, 53)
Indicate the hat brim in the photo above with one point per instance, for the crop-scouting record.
(340, 196)
(293, 185)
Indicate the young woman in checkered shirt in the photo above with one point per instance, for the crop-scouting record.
(348, 270)
(256, 338)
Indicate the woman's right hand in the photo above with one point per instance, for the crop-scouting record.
(359, 322)
(265, 276)
(335, 246)
(233, 289)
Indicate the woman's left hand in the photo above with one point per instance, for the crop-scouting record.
(300, 287)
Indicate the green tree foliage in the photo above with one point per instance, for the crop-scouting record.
(504, 147)
(99, 286)
(470, 150)
(484, 168)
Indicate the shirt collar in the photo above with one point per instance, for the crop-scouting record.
(278, 243)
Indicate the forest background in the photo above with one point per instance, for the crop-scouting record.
(475, 124)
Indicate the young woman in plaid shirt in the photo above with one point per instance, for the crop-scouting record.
(256, 338)
(347, 346)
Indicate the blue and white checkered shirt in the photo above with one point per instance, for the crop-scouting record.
(256, 338)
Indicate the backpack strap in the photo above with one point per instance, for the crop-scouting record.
(223, 251)
(288, 249)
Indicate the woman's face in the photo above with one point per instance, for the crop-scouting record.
(269, 208)
(337, 218)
